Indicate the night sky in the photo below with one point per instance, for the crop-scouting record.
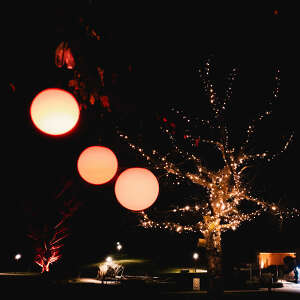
(165, 46)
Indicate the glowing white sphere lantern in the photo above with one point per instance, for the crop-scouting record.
(136, 189)
(97, 165)
(54, 111)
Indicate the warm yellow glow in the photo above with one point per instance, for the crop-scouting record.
(267, 259)
(136, 189)
(226, 187)
(97, 165)
(54, 111)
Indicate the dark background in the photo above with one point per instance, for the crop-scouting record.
(165, 46)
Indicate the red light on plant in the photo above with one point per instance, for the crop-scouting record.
(97, 165)
(54, 111)
(136, 189)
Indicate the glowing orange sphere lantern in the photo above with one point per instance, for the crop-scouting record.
(54, 111)
(136, 189)
(97, 165)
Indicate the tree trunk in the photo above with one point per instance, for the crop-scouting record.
(214, 262)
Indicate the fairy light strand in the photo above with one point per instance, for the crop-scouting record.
(225, 187)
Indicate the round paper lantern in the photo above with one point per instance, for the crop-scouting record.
(97, 165)
(136, 189)
(54, 111)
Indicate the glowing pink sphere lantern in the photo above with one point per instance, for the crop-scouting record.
(54, 111)
(136, 189)
(97, 165)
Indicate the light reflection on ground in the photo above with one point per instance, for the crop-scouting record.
(20, 274)
(288, 287)
(94, 281)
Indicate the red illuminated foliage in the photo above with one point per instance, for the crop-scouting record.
(48, 246)
(105, 102)
(48, 240)
(64, 56)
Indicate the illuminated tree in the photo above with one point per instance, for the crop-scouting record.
(48, 245)
(48, 240)
(226, 188)
(229, 201)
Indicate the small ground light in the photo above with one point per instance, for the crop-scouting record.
(18, 256)
(119, 246)
(109, 259)
(195, 256)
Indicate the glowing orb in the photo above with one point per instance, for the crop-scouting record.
(136, 189)
(54, 111)
(97, 165)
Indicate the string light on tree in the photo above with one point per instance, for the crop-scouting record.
(226, 187)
